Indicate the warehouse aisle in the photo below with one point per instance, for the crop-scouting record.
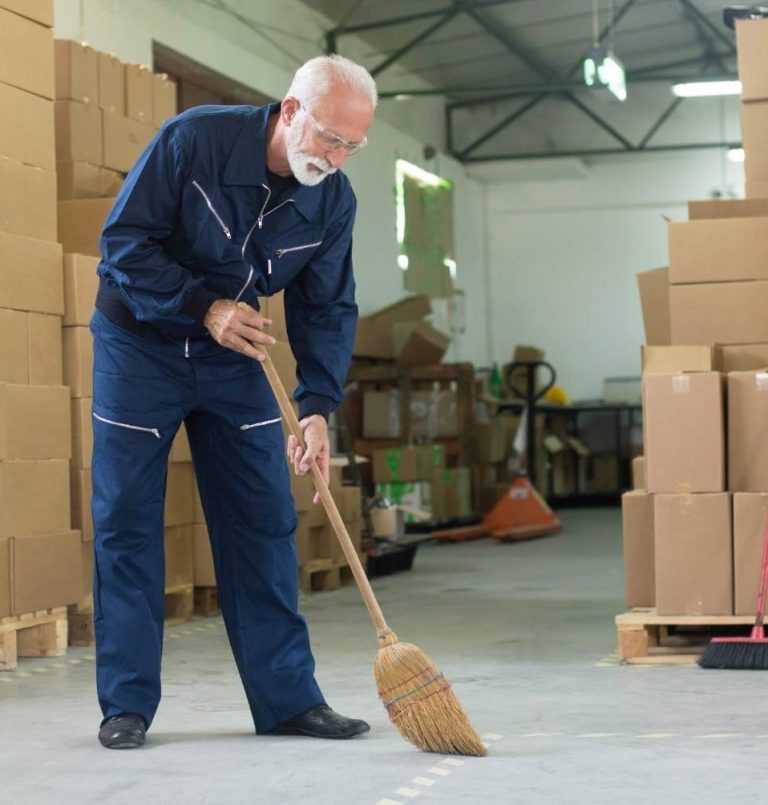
(522, 630)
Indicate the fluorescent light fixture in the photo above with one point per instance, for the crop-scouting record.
(403, 96)
(736, 154)
(402, 261)
(603, 71)
(706, 89)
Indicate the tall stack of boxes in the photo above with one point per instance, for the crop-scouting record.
(39, 554)
(106, 114)
(752, 44)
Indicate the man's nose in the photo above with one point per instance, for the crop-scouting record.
(336, 157)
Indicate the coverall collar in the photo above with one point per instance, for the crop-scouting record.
(246, 166)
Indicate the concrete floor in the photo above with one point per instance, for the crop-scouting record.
(524, 631)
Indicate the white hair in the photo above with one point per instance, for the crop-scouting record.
(315, 78)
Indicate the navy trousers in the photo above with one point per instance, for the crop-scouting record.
(144, 388)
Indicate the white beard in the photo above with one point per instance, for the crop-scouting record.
(300, 162)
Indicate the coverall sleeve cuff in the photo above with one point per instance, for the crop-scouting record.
(196, 305)
(316, 404)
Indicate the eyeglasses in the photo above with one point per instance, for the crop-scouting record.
(329, 140)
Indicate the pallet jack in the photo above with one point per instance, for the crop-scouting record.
(522, 512)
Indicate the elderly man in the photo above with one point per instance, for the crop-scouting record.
(226, 204)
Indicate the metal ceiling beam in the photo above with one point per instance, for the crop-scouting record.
(518, 90)
(705, 36)
(666, 114)
(393, 57)
(713, 29)
(508, 120)
(463, 155)
(599, 152)
(604, 125)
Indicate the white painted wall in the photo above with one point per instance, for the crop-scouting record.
(266, 59)
(564, 254)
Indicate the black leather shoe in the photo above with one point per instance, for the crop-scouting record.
(322, 722)
(126, 731)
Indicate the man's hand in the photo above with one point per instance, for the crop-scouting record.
(238, 326)
(314, 430)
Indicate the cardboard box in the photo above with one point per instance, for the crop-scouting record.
(80, 224)
(78, 361)
(82, 432)
(179, 559)
(350, 503)
(303, 491)
(179, 504)
(138, 93)
(110, 182)
(412, 497)
(111, 84)
(45, 571)
(38, 10)
(14, 351)
(747, 432)
(27, 200)
(44, 348)
(303, 540)
(77, 77)
(324, 544)
(754, 138)
(451, 489)
(203, 571)
(381, 414)
(639, 562)
(77, 180)
(750, 511)
(79, 135)
(694, 556)
(5, 579)
(34, 422)
(80, 286)
(741, 357)
(433, 414)
(491, 443)
(751, 37)
(673, 360)
(163, 99)
(418, 343)
(30, 277)
(407, 463)
(373, 338)
(86, 573)
(756, 188)
(30, 139)
(706, 314)
(26, 55)
(728, 208)
(718, 250)
(124, 140)
(684, 433)
(180, 450)
(654, 299)
(81, 493)
(638, 473)
(24, 511)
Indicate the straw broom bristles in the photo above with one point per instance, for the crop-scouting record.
(420, 702)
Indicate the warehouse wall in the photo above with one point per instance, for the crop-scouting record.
(265, 59)
(564, 254)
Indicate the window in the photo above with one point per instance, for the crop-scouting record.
(425, 230)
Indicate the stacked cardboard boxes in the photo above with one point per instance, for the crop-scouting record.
(106, 114)
(752, 45)
(39, 554)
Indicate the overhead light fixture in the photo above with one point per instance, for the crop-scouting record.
(736, 154)
(706, 89)
(603, 72)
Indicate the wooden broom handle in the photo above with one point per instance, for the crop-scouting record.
(289, 415)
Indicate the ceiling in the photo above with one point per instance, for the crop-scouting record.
(510, 70)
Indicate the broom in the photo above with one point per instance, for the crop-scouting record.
(418, 699)
(744, 653)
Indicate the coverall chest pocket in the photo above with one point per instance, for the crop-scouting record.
(288, 254)
(213, 224)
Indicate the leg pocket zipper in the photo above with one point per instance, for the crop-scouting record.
(154, 431)
(260, 424)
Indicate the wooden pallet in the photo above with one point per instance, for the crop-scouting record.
(646, 638)
(207, 601)
(36, 634)
(324, 575)
(179, 606)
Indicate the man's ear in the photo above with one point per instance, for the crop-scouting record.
(288, 109)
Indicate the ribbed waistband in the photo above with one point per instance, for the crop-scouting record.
(109, 303)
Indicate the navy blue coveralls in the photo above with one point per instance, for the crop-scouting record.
(196, 221)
